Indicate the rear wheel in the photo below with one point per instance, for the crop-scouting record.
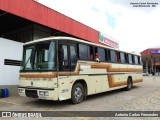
(129, 84)
(77, 94)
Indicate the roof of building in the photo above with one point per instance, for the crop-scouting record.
(36, 12)
(150, 51)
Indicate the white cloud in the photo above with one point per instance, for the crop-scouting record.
(136, 28)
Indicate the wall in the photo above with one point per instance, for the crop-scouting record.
(9, 50)
(40, 32)
(28, 33)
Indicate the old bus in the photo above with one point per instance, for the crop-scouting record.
(61, 68)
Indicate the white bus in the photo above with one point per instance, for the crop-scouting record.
(61, 68)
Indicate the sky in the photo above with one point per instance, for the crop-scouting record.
(136, 28)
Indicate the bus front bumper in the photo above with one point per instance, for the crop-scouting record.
(47, 94)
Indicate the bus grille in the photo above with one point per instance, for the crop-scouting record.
(31, 93)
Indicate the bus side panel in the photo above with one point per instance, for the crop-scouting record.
(87, 74)
(101, 80)
(105, 84)
(138, 74)
(64, 91)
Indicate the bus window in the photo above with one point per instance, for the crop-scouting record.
(27, 55)
(126, 58)
(133, 60)
(139, 60)
(106, 54)
(130, 58)
(84, 52)
(101, 54)
(91, 52)
(64, 62)
(67, 57)
(136, 59)
(73, 57)
(122, 57)
(112, 56)
(118, 57)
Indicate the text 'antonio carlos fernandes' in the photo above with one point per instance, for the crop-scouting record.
(138, 114)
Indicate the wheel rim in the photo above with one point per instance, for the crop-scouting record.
(78, 93)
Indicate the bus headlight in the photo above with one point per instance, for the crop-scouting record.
(43, 93)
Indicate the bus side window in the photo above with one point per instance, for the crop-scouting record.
(63, 58)
(136, 60)
(91, 52)
(118, 57)
(107, 55)
(130, 59)
(96, 55)
(113, 56)
(133, 61)
(126, 58)
(73, 57)
(101, 54)
(84, 52)
(140, 60)
(122, 57)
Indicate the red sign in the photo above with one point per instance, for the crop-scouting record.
(105, 40)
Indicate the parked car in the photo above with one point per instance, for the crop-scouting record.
(145, 73)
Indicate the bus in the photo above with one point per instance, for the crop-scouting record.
(61, 68)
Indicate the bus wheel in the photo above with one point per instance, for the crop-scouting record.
(129, 84)
(77, 94)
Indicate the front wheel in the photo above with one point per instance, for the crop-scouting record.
(77, 94)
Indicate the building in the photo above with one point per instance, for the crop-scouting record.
(151, 60)
(27, 20)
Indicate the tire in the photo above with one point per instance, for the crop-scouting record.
(77, 94)
(129, 84)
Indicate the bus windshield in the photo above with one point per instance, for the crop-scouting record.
(39, 56)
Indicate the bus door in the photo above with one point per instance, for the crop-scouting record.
(67, 60)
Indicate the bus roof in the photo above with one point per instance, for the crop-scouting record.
(77, 40)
